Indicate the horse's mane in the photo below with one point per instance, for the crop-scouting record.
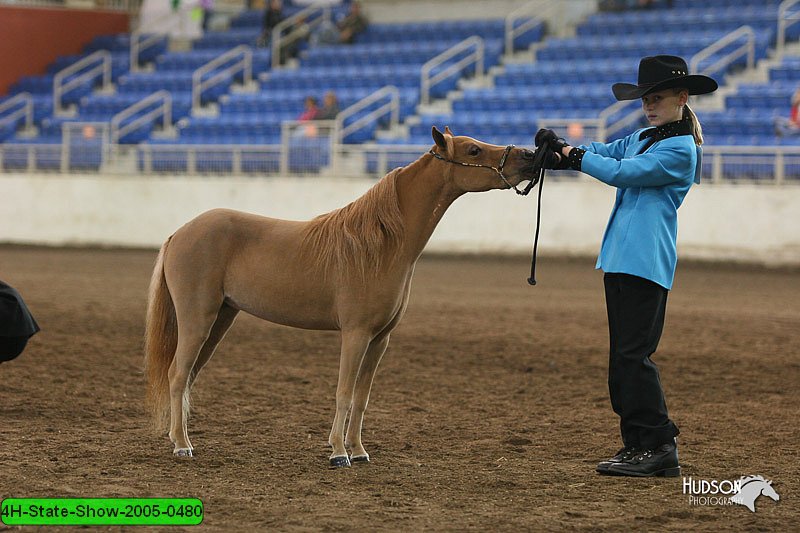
(361, 236)
(745, 480)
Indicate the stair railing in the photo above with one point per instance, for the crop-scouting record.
(26, 110)
(476, 57)
(309, 19)
(747, 49)
(164, 109)
(244, 64)
(61, 85)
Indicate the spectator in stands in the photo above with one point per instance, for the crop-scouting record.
(310, 111)
(330, 107)
(653, 170)
(273, 15)
(345, 31)
(297, 32)
(17, 325)
(790, 126)
(353, 24)
(208, 11)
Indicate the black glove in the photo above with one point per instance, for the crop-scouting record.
(549, 137)
(550, 160)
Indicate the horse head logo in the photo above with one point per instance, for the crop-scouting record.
(750, 488)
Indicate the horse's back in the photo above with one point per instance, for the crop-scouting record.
(258, 264)
(228, 229)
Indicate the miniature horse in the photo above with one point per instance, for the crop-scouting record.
(348, 270)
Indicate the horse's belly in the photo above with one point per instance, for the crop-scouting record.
(296, 308)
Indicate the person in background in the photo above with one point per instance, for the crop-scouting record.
(330, 107)
(353, 24)
(345, 31)
(208, 11)
(652, 170)
(310, 111)
(273, 15)
(17, 325)
(790, 126)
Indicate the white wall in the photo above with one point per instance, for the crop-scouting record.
(421, 10)
(738, 222)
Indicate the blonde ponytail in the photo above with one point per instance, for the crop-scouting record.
(697, 129)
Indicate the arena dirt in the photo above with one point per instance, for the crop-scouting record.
(489, 412)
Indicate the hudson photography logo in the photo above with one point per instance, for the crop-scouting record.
(743, 491)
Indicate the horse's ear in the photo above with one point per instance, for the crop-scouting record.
(448, 132)
(438, 138)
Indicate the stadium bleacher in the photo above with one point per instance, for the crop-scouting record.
(385, 54)
(570, 79)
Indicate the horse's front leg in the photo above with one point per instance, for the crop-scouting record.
(366, 374)
(354, 346)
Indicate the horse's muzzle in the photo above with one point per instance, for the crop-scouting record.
(528, 167)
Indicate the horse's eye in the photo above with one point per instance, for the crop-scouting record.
(474, 150)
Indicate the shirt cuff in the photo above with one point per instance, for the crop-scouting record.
(575, 158)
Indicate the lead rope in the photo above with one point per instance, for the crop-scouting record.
(538, 165)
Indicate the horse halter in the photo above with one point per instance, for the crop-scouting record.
(497, 169)
(538, 170)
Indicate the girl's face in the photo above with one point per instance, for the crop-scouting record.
(664, 106)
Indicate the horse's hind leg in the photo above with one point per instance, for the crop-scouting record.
(225, 318)
(366, 374)
(354, 346)
(195, 320)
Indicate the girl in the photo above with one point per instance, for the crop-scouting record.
(652, 170)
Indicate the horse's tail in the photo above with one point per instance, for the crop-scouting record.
(161, 340)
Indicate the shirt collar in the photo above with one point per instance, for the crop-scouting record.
(672, 129)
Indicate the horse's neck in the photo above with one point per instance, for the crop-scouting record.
(424, 194)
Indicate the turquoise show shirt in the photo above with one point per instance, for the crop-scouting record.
(642, 231)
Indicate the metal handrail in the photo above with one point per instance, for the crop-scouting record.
(784, 21)
(427, 81)
(714, 155)
(606, 128)
(26, 110)
(165, 110)
(139, 42)
(392, 107)
(534, 12)
(749, 48)
(279, 40)
(60, 87)
(245, 65)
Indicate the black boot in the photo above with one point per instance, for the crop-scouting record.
(659, 462)
(623, 455)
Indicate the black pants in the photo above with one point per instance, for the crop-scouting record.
(636, 308)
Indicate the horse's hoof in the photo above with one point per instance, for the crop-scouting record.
(360, 459)
(182, 452)
(340, 462)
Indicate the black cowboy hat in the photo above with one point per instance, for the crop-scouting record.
(657, 73)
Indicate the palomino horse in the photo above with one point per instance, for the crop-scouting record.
(348, 270)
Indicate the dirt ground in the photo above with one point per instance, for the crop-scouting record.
(489, 412)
